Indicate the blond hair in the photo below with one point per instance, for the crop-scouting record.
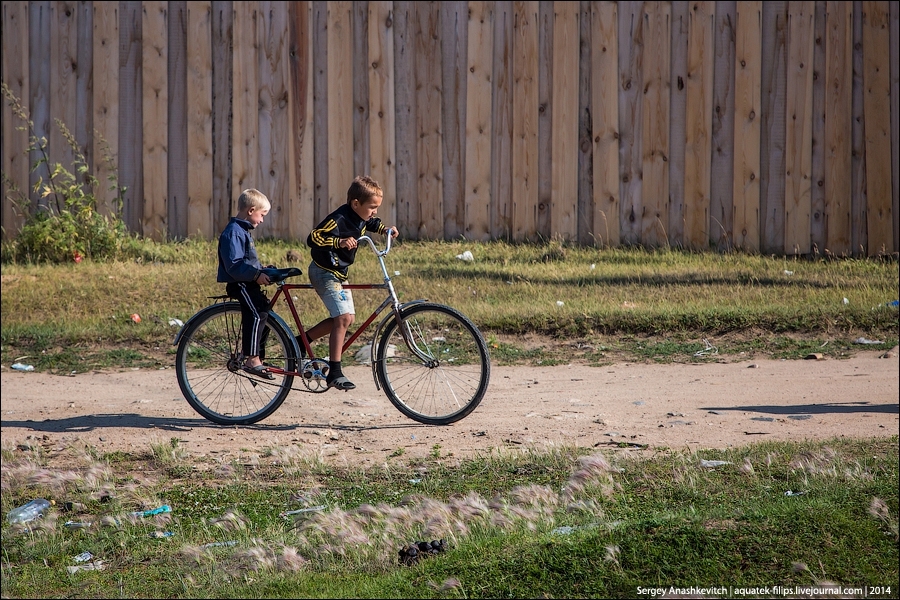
(363, 188)
(251, 198)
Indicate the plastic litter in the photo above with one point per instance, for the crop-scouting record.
(845, 301)
(176, 323)
(77, 525)
(217, 544)
(136, 317)
(303, 510)
(161, 534)
(97, 565)
(786, 272)
(466, 256)
(560, 303)
(165, 508)
(22, 367)
(84, 557)
(28, 512)
(862, 340)
(790, 493)
(713, 463)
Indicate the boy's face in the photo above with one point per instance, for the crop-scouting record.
(255, 215)
(366, 209)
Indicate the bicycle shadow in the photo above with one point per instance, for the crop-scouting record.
(813, 409)
(86, 423)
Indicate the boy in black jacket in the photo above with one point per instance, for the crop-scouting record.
(333, 250)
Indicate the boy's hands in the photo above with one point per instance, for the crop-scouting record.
(348, 243)
(393, 232)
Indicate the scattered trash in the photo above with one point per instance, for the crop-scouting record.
(396, 273)
(710, 349)
(814, 356)
(165, 508)
(28, 512)
(560, 303)
(77, 525)
(97, 565)
(161, 534)
(893, 303)
(790, 493)
(466, 256)
(860, 340)
(84, 557)
(846, 301)
(136, 318)
(564, 530)
(303, 510)
(713, 463)
(786, 272)
(217, 544)
(593, 266)
(22, 367)
(176, 323)
(415, 481)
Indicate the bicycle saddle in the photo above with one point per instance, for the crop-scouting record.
(279, 275)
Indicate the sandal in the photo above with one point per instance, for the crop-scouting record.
(260, 371)
(342, 383)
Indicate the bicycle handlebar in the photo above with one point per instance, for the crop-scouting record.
(387, 246)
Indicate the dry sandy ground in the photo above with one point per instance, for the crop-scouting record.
(713, 405)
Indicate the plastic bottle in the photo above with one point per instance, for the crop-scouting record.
(28, 512)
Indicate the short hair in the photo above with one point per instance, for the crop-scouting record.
(251, 198)
(363, 188)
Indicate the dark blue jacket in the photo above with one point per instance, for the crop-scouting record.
(237, 253)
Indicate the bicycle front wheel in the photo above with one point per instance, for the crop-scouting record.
(442, 374)
(209, 364)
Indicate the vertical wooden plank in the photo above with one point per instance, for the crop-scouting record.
(38, 103)
(106, 103)
(154, 58)
(585, 172)
(321, 110)
(698, 133)
(798, 139)
(631, 43)
(721, 191)
(677, 118)
(895, 120)
(654, 221)
(545, 113)
(131, 130)
(382, 118)
(877, 108)
(83, 127)
(302, 121)
(63, 62)
(479, 133)
(502, 142)
(772, 160)
(454, 32)
(177, 119)
(222, 93)
(245, 101)
(564, 116)
(359, 40)
(747, 82)
(858, 199)
(817, 194)
(14, 142)
(200, 218)
(274, 116)
(407, 161)
(524, 202)
(428, 98)
(340, 103)
(604, 110)
(838, 126)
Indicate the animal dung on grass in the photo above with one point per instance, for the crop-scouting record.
(412, 553)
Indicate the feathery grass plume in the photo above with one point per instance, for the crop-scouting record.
(593, 470)
(257, 558)
(879, 509)
(747, 467)
(612, 554)
(289, 560)
(230, 521)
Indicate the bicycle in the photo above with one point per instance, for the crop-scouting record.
(430, 360)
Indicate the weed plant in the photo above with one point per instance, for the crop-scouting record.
(562, 523)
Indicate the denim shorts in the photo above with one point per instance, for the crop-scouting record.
(337, 300)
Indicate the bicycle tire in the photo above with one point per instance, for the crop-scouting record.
(449, 382)
(208, 365)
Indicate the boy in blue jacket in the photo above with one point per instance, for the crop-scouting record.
(241, 272)
(333, 249)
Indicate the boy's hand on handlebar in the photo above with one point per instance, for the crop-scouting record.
(348, 243)
(393, 232)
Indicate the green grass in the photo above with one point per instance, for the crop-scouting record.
(563, 524)
(536, 304)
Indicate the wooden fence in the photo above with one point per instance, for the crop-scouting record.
(766, 127)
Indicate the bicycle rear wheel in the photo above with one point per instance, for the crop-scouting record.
(445, 377)
(208, 365)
